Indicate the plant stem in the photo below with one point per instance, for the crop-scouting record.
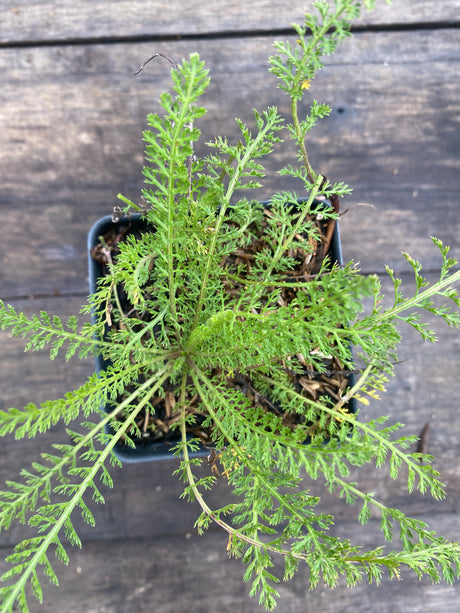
(98, 427)
(71, 505)
(418, 299)
(311, 174)
(243, 458)
(247, 157)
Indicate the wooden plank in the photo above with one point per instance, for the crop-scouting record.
(184, 572)
(421, 391)
(72, 118)
(49, 20)
(31, 376)
(70, 124)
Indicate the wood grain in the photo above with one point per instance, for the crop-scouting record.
(25, 21)
(72, 119)
(420, 392)
(70, 124)
(183, 572)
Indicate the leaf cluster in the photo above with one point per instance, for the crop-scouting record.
(178, 310)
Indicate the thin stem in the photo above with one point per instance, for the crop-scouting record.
(311, 174)
(244, 459)
(71, 505)
(317, 37)
(419, 298)
(284, 245)
(436, 486)
(248, 155)
(56, 469)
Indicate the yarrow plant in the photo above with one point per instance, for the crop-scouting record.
(229, 325)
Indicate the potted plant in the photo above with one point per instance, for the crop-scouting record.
(229, 325)
(158, 433)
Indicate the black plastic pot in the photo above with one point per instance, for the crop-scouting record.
(162, 450)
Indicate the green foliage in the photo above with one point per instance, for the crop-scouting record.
(222, 334)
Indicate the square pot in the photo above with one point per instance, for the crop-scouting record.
(162, 450)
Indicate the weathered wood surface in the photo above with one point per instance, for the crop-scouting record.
(140, 575)
(70, 122)
(26, 21)
(421, 392)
